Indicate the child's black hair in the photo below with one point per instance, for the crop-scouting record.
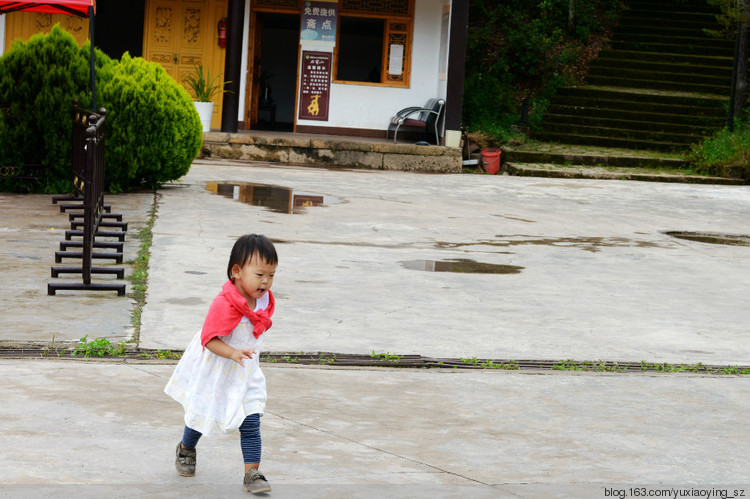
(249, 245)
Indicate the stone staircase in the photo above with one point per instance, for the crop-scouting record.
(662, 85)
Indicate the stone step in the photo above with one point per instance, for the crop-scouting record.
(591, 130)
(608, 106)
(617, 122)
(329, 151)
(648, 96)
(638, 116)
(647, 74)
(595, 140)
(612, 173)
(698, 60)
(633, 20)
(683, 5)
(592, 157)
(664, 30)
(674, 48)
(719, 90)
(667, 13)
(682, 38)
(657, 67)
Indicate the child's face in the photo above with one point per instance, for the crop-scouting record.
(254, 278)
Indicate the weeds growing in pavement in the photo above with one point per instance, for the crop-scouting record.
(139, 278)
(99, 347)
(387, 356)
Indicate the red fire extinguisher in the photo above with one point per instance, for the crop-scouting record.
(223, 33)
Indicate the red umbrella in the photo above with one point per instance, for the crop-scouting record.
(82, 8)
(75, 7)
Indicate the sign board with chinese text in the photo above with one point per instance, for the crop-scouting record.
(318, 23)
(315, 85)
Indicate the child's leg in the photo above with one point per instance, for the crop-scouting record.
(250, 441)
(186, 454)
(190, 438)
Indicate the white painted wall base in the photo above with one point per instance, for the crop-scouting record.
(452, 138)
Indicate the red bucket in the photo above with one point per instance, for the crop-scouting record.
(491, 160)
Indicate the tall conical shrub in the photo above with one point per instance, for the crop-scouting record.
(38, 81)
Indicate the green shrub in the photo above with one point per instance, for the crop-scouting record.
(38, 81)
(153, 130)
(724, 150)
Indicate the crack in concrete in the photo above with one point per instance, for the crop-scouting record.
(377, 449)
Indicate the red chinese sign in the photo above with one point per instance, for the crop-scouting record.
(315, 87)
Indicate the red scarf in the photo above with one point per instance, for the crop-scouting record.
(227, 310)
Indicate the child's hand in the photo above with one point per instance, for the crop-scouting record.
(239, 355)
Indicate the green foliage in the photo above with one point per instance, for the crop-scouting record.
(724, 150)
(387, 356)
(518, 49)
(730, 13)
(511, 365)
(203, 85)
(153, 130)
(99, 347)
(38, 81)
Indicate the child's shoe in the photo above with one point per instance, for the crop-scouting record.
(185, 461)
(255, 482)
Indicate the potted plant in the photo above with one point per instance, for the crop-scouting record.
(204, 87)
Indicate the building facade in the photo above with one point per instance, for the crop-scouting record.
(324, 66)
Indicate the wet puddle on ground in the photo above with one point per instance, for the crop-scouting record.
(713, 238)
(592, 244)
(462, 266)
(273, 197)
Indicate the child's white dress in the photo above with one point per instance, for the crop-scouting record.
(217, 393)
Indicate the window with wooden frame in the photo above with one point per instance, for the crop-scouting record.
(374, 42)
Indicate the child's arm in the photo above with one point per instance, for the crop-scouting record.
(223, 350)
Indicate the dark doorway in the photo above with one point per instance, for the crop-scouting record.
(119, 27)
(277, 70)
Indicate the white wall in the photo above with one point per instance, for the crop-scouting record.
(363, 106)
(243, 65)
(2, 34)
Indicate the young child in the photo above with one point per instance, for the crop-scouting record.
(218, 380)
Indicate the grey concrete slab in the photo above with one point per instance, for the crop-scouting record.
(96, 429)
(598, 276)
(31, 230)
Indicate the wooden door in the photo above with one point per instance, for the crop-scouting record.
(254, 71)
(180, 34)
(23, 25)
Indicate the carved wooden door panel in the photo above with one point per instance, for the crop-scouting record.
(22, 25)
(175, 34)
(180, 34)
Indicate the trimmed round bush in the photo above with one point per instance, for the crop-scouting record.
(153, 130)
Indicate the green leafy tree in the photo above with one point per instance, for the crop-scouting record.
(518, 49)
(735, 20)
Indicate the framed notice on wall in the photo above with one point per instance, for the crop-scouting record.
(315, 85)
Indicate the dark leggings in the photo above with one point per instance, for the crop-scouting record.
(249, 438)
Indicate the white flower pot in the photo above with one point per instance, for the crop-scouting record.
(205, 111)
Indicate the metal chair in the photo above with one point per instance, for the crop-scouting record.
(424, 118)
